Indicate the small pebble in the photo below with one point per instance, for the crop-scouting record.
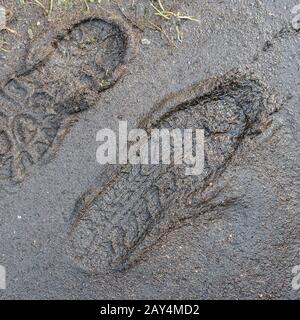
(145, 42)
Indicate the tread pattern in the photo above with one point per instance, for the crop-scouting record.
(111, 225)
(35, 103)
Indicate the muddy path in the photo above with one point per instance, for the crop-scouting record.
(71, 228)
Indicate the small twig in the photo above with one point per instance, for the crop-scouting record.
(163, 32)
(159, 12)
(50, 7)
(4, 50)
(161, 6)
(87, 5)
(128, 18)
(179, 34)
(11, 31)
(2, 44)
(186, 18)
(37, 2)
(169, 14)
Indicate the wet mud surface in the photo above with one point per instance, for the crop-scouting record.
(34, 104)
(109, 230)
(71, 228)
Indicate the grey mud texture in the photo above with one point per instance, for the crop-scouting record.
(232, 233)
(114, 225)
(37, 103)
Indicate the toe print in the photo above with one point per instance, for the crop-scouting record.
(78, 66)
(113, 225)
